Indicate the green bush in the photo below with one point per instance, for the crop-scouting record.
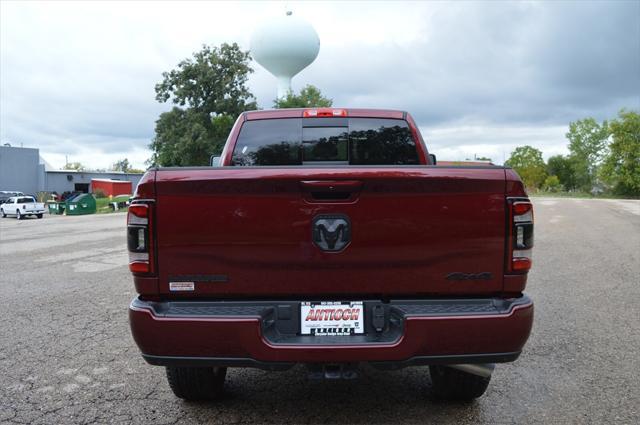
(552, 184)
(99, 193)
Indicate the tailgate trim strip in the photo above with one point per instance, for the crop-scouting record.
(282, 366)
(407, 308)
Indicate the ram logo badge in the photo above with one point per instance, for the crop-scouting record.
(331, 232)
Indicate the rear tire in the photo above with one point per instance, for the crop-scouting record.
(39, 215)
(18, 215)
(197, 383)
(453, 384)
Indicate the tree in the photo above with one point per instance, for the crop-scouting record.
(75, 166)
(210, 91)
(309, 97)
(124, 166)
(213, 81)
(478, 158)
(562, 167)
(121, 165)
(587, 143)
(186, 137)
(528, 163)
(621, 166)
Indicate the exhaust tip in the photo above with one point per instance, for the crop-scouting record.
(484, 370)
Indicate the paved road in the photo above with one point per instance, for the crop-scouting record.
(66, 355)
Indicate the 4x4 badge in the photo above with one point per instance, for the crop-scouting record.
(331, 232)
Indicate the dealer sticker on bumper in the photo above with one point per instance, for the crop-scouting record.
(181, 286)
(332, 318)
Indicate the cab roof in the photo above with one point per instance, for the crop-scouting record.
(298, 113)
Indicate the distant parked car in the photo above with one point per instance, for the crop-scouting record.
(21, 206)
(6, 194)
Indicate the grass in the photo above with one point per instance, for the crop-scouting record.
(102, 204)
(580, 195)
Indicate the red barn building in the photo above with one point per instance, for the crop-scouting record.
(111, 187)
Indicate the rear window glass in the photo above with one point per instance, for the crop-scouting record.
(269, 142)
(25, 200)
(298, 141)
(327, 144)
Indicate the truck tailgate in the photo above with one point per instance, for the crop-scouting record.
(247, 231)
(34, 207)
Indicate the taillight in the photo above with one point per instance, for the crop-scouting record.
(324, 112)
(520, 240)
(139, 238)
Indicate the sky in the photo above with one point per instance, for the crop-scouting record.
(480, 78)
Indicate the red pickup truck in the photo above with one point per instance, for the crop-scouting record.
(330, 237)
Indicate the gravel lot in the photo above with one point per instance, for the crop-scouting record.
(66, 354)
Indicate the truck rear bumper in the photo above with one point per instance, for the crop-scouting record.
(265, 334)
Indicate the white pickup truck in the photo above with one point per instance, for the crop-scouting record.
(21, 206)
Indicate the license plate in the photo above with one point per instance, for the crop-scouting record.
(332, 318)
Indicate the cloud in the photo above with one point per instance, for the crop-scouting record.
(492, 141)
(78, 79)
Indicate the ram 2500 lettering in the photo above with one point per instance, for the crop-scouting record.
(329, 237)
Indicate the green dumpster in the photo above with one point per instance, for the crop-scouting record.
(84, 203)
(56, 207)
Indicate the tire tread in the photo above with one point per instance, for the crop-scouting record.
(452, 384)
(196, 383)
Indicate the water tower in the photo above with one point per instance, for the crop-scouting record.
(284, 46)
